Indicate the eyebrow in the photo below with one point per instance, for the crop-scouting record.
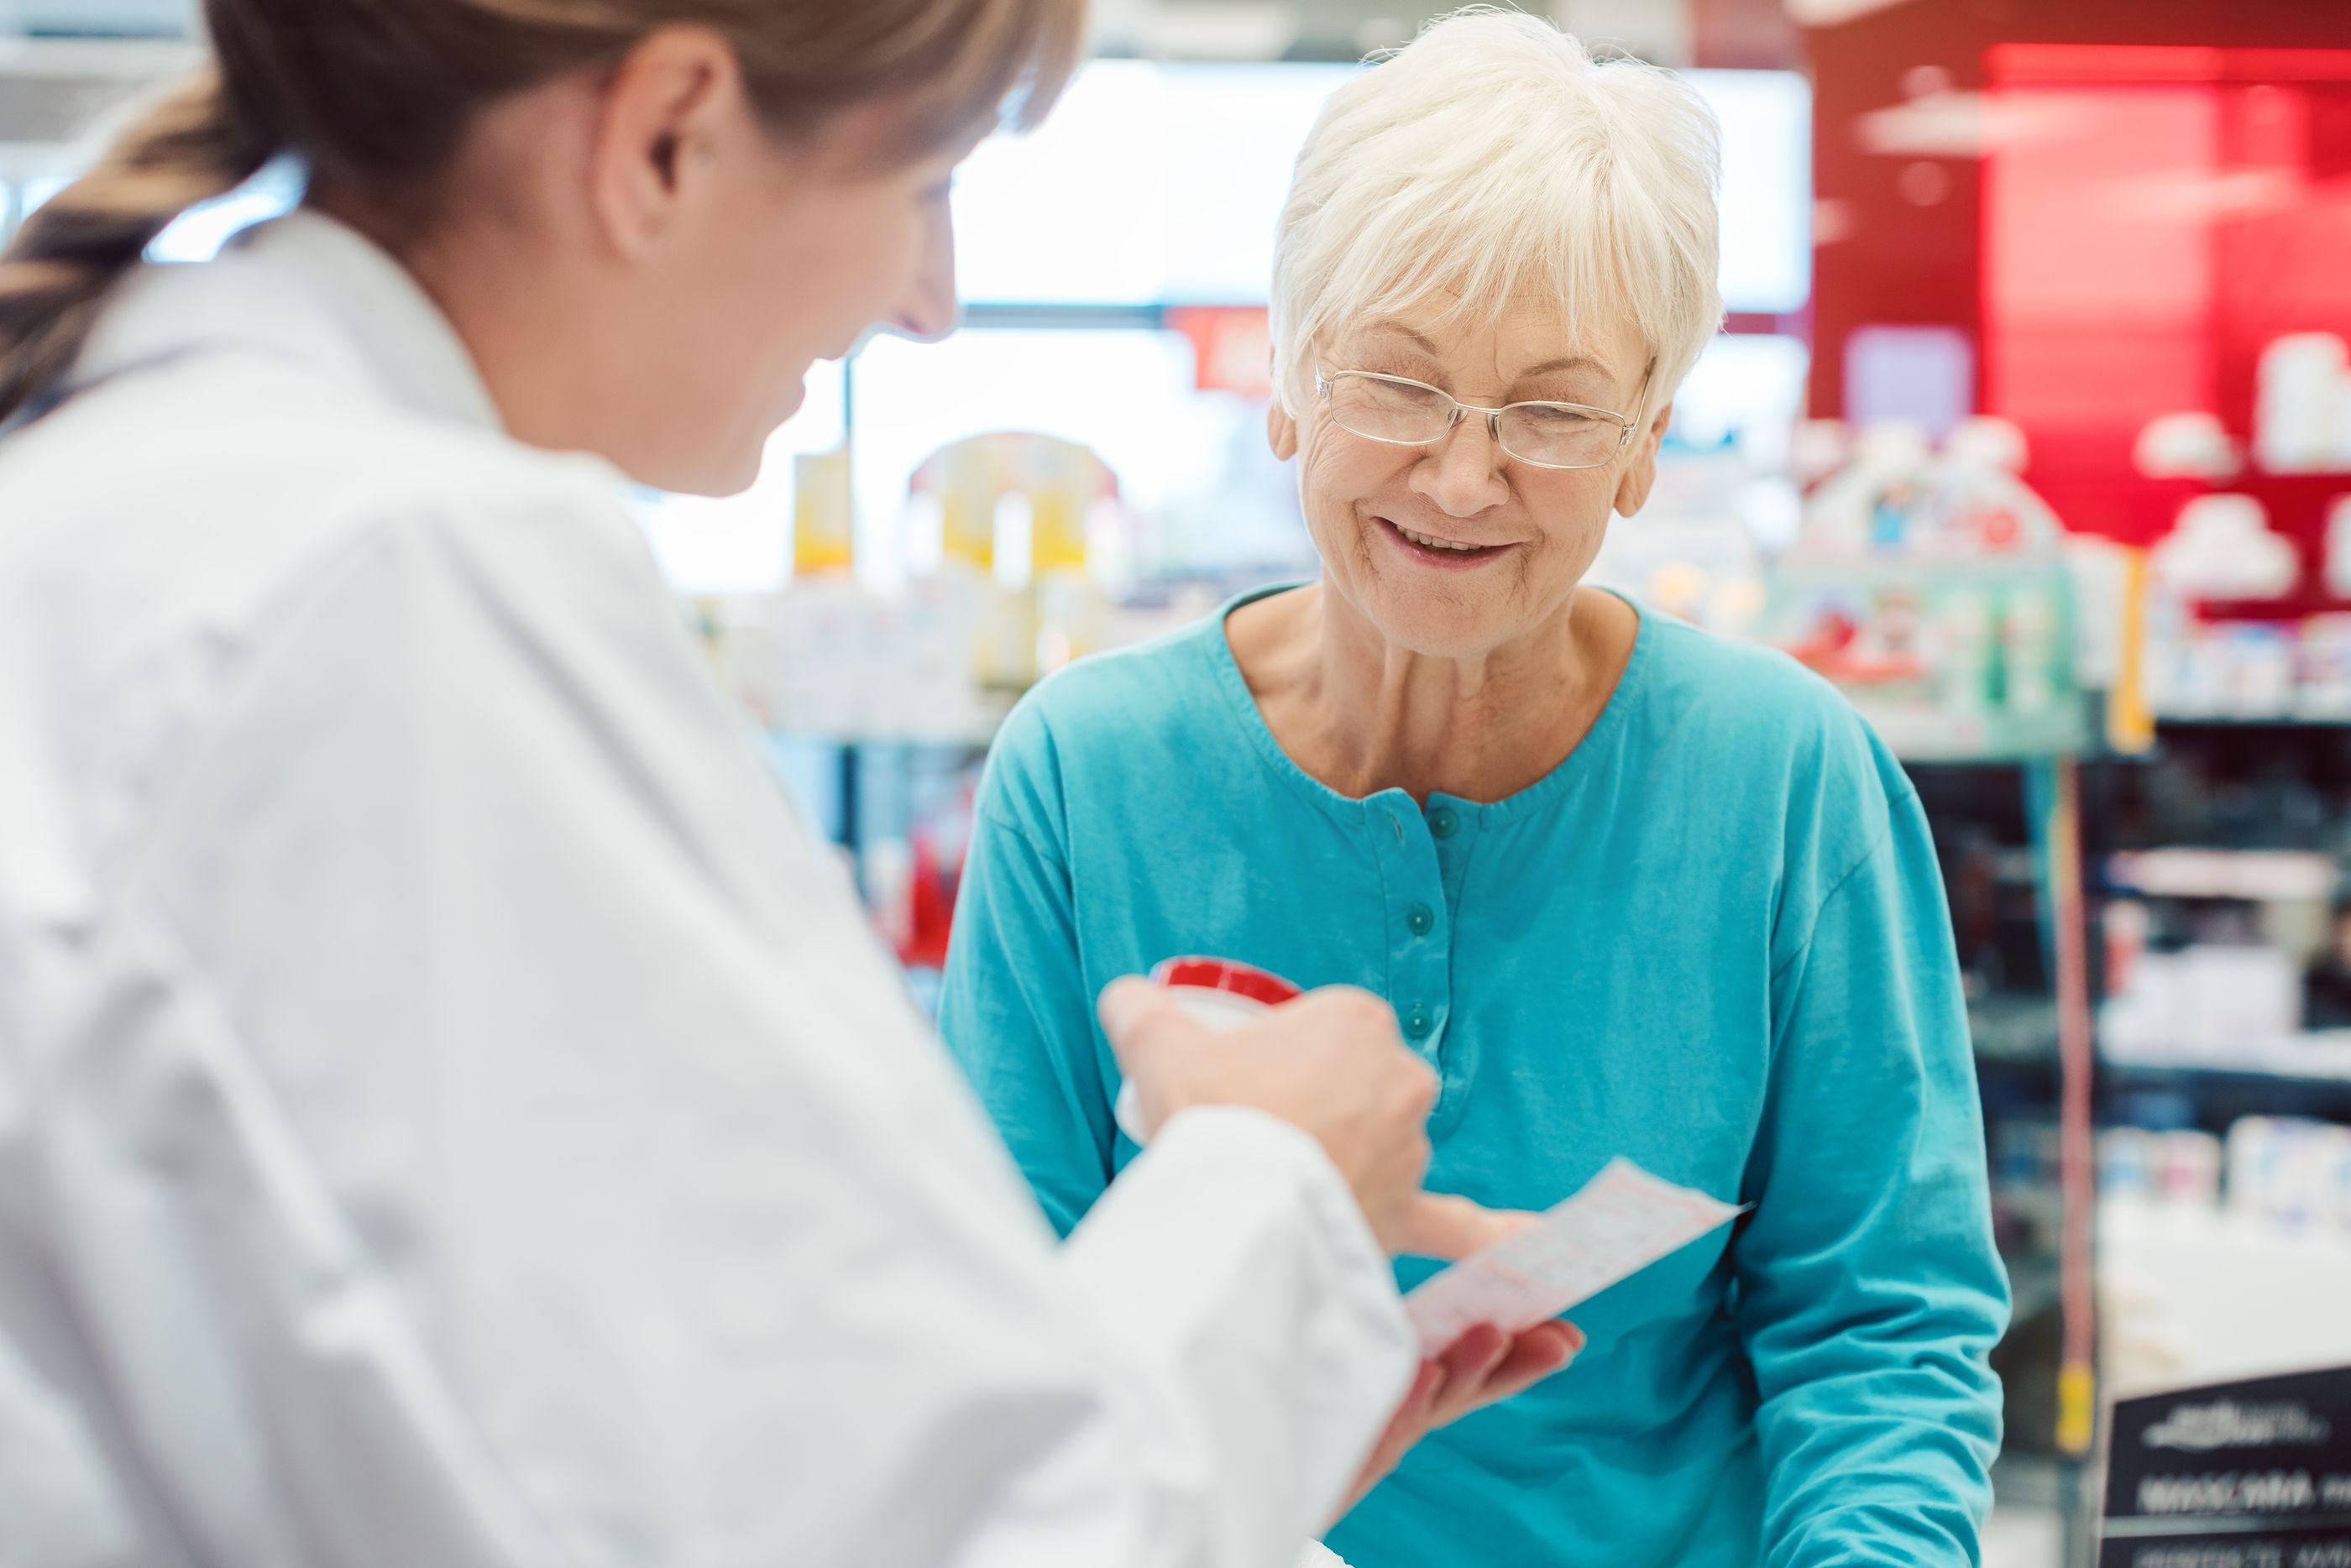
(1548, 368)
(1572, 362)
(1390, 324)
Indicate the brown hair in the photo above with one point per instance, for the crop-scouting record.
(376, 95)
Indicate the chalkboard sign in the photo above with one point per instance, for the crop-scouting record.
(2235, 1475)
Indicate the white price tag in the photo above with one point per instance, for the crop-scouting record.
(1623, 1220)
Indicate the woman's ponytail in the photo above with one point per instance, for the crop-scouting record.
(190, 146)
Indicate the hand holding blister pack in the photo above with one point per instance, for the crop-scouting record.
(1623, 1220)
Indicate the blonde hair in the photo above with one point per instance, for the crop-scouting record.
(376, 95)
(1491, 161)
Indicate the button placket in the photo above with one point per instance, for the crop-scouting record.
(1418, 932)
(1453, 1052)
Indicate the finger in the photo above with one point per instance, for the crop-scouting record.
(1539, 1352)
(1554, 1340)
(1426, 1382)
(1140, 1021)
(1124, 1003)
(1473, 1359)
(1436, 1225)
(1468, 1358)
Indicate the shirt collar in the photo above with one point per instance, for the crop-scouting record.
(307, 289)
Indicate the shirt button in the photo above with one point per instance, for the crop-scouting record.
(1444, 822)
(1421, 919)
(1417, 1023)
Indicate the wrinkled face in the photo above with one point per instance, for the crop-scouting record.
(1455, 548)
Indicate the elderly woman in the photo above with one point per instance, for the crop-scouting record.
(1631, 890)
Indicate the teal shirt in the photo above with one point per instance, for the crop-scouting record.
(1713, 940)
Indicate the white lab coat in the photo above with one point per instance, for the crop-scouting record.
(452, 1116)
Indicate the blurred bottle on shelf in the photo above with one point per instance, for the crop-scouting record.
(823, 531)
(2338, 549)
(975, 509)
(2301, 404)
(2191, 444)
(2178, 1168)
(1069, 486)
(1015, 512)
(822, 619)
(2291, 1173)
(853, 665)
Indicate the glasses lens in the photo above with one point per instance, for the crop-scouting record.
(1562, 436)
(1389, 410)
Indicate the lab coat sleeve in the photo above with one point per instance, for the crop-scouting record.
(1016, 1011)
(1869, 1291)
(562, 1176)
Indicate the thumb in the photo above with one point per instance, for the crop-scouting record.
(1141, 1021)
(1438, 1226)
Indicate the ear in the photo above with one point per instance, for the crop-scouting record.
(1641, 469)
(1280, 431)
(666, 114)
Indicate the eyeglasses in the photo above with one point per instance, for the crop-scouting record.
(1401, 412)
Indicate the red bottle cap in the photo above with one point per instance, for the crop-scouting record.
(1223, 975)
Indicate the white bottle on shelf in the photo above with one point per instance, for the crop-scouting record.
(2300, 405)
(2338, 545)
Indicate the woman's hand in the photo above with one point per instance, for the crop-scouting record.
(1483, 1367)
(1331, 1063)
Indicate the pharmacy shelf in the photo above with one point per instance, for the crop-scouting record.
(2032, 1480)
(2252, 721)
(2315, 1058)
(2014, 1031)
(1920, 751)
(1964, 740)
(2019, 1037)
(2250, 874)
(2222, 1094)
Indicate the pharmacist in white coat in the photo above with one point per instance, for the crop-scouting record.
(450, 1113)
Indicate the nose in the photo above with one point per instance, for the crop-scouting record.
(929, 310)
(1462, 474)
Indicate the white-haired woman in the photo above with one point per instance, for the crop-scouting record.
(1631, 889)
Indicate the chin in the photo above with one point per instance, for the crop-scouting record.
(1439, 622)
(714, 474)
(734, 477)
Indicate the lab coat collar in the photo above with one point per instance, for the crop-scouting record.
(307, 289)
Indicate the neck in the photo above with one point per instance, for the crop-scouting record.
(537, 332)
(1363, 715)
(544, 370)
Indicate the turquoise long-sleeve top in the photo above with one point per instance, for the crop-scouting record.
(1713, 940)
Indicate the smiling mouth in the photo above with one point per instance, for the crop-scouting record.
(1445, 550)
